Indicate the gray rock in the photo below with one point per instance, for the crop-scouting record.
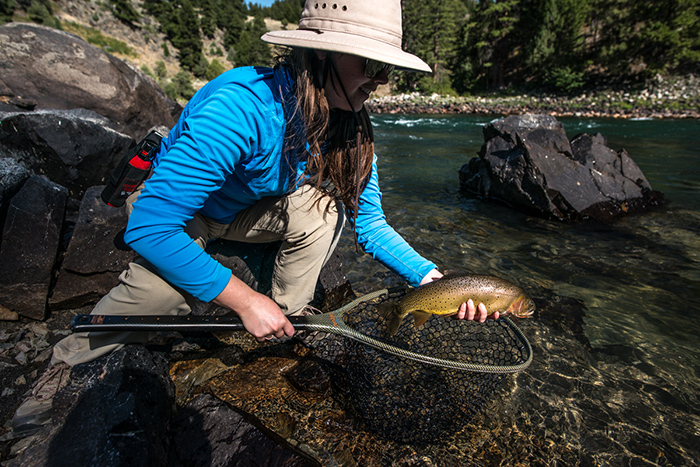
(95, 256)
(76, 148)
(12, 177)
(528, 162)
(31, 238)
(46, 68)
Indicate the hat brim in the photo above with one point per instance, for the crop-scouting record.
(333, 41)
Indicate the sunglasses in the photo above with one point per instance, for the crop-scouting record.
(374, 68)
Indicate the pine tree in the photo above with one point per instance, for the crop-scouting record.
(182, 28)
(613, 23)
(431, 31)
(207, 18)
(554, 45)
(158, 8)
(488, 42)
(232, 17)
(286, 11)
(7, 8)
(669, 37)
(124, 11)
(251, 50)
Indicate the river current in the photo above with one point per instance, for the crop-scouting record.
(623, 388)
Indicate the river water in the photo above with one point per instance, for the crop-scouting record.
(621, 387)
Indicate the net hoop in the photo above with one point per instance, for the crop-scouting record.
(338, 326)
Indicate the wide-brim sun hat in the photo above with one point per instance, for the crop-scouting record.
(367, 28)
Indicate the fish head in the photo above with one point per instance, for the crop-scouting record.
(522, 307)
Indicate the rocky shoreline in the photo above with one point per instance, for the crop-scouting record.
(659, 98)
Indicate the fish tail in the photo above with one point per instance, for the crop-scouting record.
(391, 314)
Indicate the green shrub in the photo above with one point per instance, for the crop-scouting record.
(124, 11)
(215, 69)
(565, 79)
(200, 69)
(41, 13)
(147, 71)
(215, 50)
(95, 37)
(161, 72)
(7, 8)
(180, 87)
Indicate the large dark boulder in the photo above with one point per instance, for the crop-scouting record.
(528, 162)
(45, 68)
(95, 256)
(30, 244)
(12, 177)
(76, 148)
(113, 412)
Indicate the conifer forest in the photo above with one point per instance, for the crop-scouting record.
(560, 46)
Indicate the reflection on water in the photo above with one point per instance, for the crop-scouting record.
(633, 397)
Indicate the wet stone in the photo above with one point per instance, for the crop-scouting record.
(309, 375)
(208, 432)
(7, 315)
(113, 412)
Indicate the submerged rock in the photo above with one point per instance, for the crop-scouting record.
(528, 162)
(208, 432)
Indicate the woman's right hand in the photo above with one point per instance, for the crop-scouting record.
(260, 315)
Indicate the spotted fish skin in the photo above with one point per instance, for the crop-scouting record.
(444, 296)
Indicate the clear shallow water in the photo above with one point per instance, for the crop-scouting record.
(624, 389)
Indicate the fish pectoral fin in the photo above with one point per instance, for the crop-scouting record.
(420, 317)
(393, 319)
(386, 310)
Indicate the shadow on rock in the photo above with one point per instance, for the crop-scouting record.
(209, 432)
(114, 411)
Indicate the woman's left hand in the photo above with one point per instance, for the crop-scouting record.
(467, 310)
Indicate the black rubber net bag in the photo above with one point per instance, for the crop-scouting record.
(412, 401)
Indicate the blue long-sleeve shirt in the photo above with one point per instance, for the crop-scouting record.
(225, 153)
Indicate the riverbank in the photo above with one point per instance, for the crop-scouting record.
(660, 98)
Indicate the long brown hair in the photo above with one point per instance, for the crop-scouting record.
(341, 170)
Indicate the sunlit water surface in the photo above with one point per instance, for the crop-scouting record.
(624, 390)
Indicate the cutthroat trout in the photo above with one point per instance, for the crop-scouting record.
(444, 296)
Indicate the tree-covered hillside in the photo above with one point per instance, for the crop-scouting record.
(472, 45)
(555, 44)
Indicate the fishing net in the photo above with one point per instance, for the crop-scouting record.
(412, 401)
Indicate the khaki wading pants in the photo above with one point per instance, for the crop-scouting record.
(309, 232)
